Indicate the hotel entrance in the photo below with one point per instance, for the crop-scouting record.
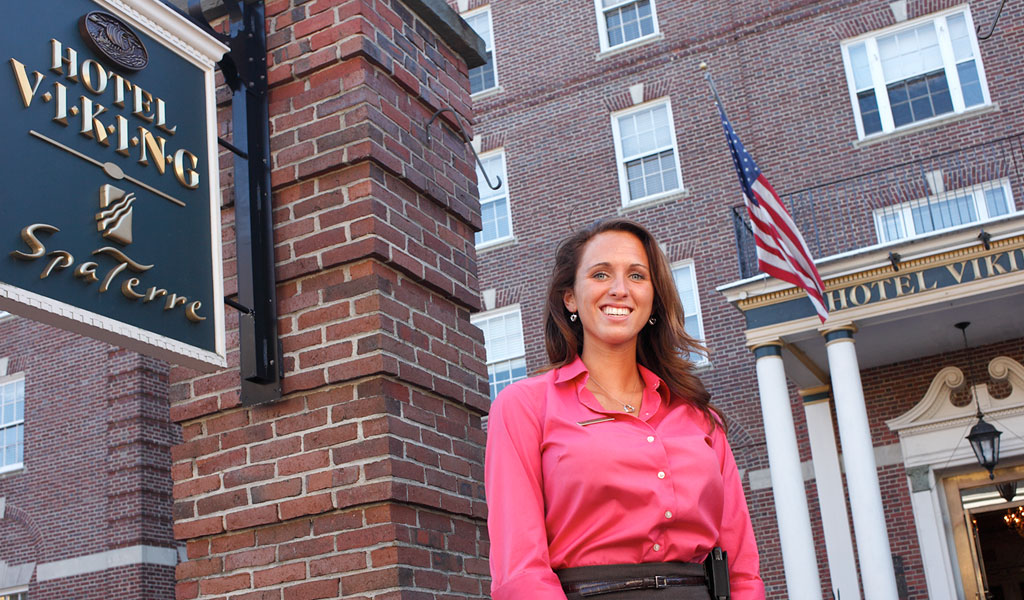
(987, 521)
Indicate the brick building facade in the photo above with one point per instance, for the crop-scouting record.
(365, 480)
(86, 499)
(553, 125)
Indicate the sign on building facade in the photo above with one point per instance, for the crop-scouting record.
(109, 206)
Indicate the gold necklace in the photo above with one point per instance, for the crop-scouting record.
(626, 407)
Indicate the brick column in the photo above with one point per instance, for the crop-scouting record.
(366, 479)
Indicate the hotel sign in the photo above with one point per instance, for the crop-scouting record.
(919, 278)
(109, 204)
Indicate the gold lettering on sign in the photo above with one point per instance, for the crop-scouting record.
(27, 90)
(831, 297)
(920, 282)
(87, 271)
(97, 119)
(91, 126)
(860, 294)
(94, 76)
(155, 145)
(60, 260)
(903, 285)
(880, 287)
(60, 59)
(957, 273)
(192, 312)
(28, 235)
(128, 288)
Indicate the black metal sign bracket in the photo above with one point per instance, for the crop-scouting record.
(245, 70)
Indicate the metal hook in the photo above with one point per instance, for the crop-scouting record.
(466, 139)
(994, 21)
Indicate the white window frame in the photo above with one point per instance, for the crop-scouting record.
(949, 64)
(4, 381)
(482, 185)
(621, 160)
(12, 592)
(519, 352)
(697, 358)
(977, 192)
(488, 46)
(602, 25)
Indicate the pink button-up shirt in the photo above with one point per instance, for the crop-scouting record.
(566, 491)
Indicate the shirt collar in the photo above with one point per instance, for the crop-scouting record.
(576, 368)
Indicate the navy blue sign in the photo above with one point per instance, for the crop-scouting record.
(105, 208)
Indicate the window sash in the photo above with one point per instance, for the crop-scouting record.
(945, 211)
(495, 207)
(12, 423)
(486, 74)
(869, 87)
(685, 278)
(663, 143)
(501, 374)
(604, 7)
(503, 334)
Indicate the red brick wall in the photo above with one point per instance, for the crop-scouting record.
(365, 480)
(97, 454)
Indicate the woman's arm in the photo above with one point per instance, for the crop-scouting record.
(520, 566)
(736, 535)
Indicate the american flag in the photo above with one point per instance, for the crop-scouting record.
(781, 250)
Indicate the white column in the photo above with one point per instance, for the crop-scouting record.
(861, 472)
(795, 537)
(835, 522)
(938, 572)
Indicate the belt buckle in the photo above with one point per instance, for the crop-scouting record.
(659, 582)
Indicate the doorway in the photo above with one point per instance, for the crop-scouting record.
(989, 543)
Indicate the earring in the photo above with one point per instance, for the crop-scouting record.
(652, 320)
(573, 317)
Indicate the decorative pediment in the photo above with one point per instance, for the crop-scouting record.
(937, 411)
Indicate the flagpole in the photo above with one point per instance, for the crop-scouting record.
(711, 82)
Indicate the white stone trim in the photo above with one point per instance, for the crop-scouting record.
(169, 26)
(932, 437)
(111, 559)
(83, 322)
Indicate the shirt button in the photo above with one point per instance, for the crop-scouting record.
(661, 474)
(668, 514)
(657, 547)
(650, 439)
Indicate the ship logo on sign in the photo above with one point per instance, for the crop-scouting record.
(115, 217)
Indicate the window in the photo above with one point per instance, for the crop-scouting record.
(484, 77)
(503, 338)
(645, 146)
(12, 422)
(495, 213)
(943, 211)
(686, 285)
(14, 595)
(913, 72)
(623, 21)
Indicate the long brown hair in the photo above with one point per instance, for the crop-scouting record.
(662, 348)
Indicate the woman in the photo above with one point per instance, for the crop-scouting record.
(612, 465)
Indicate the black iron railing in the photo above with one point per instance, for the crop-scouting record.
(968, 185)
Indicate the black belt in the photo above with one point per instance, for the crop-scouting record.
(594, 588)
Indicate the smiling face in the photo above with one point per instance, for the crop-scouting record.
(613, 292)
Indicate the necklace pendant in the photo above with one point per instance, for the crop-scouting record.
(628, 408)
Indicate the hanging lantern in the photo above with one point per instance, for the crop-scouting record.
(985, 442)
